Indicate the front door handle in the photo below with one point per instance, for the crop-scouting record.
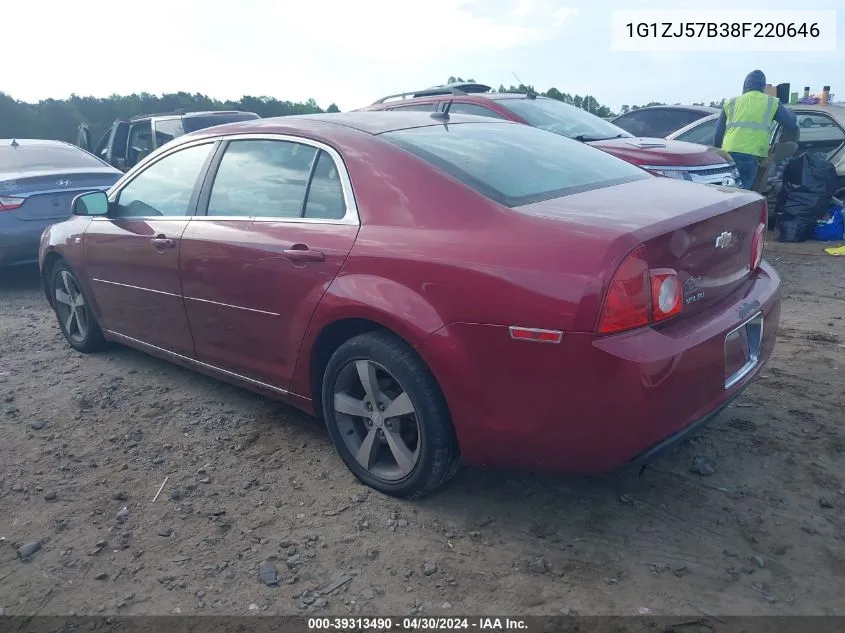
(162, 242)
(300, 253)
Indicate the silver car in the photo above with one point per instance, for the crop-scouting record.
(821, 128)
(38, 181)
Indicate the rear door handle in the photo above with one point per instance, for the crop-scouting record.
(300, 253)
(160, 242)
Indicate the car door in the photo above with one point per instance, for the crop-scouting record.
(132, 254)
(280, 220)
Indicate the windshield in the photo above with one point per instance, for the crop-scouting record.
(44, 156)
(561, 118)
(514, 164)
(194, 123)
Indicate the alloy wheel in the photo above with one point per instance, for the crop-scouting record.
(377, 420)
(71, 306)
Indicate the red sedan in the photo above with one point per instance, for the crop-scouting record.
(440, 289)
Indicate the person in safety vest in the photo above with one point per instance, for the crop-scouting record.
(744, 127)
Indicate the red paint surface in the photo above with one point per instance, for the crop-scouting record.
(449, 271)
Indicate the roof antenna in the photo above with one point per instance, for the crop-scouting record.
(443, 116)
(528, 93)
(14, 143)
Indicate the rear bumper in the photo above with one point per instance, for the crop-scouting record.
(19, 241)
(590, 405)
(19, 254)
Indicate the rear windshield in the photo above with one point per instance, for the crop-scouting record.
(45, 156)
(194, 123)
(562, 118)
(515, 164)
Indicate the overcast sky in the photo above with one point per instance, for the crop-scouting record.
(355, 51)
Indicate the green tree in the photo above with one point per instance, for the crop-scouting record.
(59, 118)
(332, 107)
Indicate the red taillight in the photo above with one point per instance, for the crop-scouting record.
(758, 242)
(7, 203)
(628, 301)
(638, 296)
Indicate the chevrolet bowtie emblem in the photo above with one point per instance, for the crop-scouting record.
(725, 240)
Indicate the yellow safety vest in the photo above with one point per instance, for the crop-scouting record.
(747, 123)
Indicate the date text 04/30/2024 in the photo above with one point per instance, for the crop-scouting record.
(417, 624)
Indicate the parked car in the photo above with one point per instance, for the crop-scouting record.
(821, 128)
(128, 141)
(675, 160)
(38, 181)
(437, 289)
(662, 120)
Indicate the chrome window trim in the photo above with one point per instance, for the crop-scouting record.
(131, 175)
(350, 216)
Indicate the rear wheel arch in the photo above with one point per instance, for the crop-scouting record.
(332, 336)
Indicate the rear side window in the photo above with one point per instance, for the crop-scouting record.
(44, 156)
(472, 108)
(514, 164)
(262, 179)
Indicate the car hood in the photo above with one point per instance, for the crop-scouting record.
(659, 152)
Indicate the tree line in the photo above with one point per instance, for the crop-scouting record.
(59, 118)
(587, 102)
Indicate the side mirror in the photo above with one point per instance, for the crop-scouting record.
(90, 204)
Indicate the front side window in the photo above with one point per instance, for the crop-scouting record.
(514, 164)
(564, 119)
(166, 187)
(262, 178)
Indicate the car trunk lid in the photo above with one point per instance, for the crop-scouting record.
(48, 195)
(704, 232)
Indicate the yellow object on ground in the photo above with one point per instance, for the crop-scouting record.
(835, 250)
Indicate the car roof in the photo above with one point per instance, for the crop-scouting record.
(7, 142)
(187, 115)
(370, 122)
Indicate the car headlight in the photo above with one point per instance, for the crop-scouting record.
(673, 173)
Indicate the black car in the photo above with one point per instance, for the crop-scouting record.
(127, 141)
(660, 121)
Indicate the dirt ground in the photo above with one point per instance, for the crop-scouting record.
(253, 485)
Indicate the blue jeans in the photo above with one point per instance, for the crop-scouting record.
(747, 166)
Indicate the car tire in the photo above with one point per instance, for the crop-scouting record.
(409, 455)
(73, 310)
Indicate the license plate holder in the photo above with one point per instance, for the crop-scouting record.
(743, 347)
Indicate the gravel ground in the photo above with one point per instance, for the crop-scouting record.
(258, 515)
